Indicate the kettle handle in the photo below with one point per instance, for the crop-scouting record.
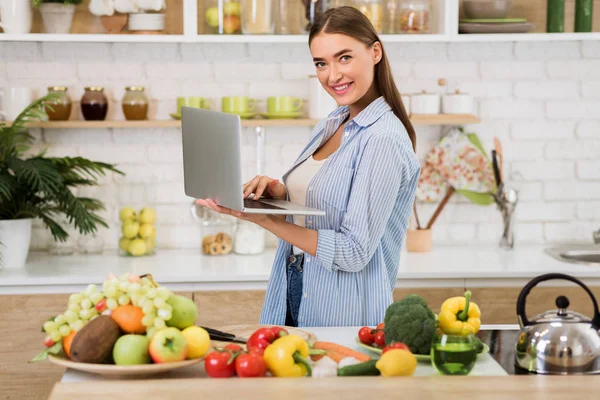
(546, 277)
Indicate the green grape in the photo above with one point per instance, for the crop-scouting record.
(75, 308)
(77, 325)
(75, 298)
(111, 304)
(96, 297)
(60, 319)
(148, 320)
(49, 327)
(163, 292)
(70, 316)
(85, 313)
(134, 288)
(124, 286)
(64, 330)
(168, 307)
(164, 314)
(85, 304)
(148, 309)
(111, 292)
(142, 301)
(159, 324)
(135, 299)
(91, 289)
(158, 302)
(105, 285)
(151, 293)
(150, 332)
(123, 299)
(55, 336)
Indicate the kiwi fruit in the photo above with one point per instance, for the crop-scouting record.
(95, 341)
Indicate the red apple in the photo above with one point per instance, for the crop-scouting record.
(168, 345)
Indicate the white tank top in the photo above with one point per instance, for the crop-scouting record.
(297, 184)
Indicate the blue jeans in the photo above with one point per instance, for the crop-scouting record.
(295, 266)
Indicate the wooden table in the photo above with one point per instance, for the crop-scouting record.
(432, 388)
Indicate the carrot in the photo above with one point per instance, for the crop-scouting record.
(337, 352)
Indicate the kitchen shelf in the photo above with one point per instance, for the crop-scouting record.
(525, 37)
(440, 119)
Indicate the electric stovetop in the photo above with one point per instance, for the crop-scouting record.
(502, 340)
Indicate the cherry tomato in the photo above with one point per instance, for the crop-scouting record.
(48, 342)
(216, 364)
(256, 350)
(379, 327)
(250, 365)
(379, 338)
(101, 305)
(395, 345)
(262, 338)
(365, 335)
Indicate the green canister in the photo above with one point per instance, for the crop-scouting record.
(583, 15)
(555, 19)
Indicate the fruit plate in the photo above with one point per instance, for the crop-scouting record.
(246, 331)
(419, 357)
(122, 370)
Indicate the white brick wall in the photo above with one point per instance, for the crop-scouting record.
(542, 100)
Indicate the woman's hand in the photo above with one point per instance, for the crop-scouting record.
(256, 218)
(270, 187)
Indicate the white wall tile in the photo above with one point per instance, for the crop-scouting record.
(547, 171)
(540, 211)
(572, 109)
(480, 51)
(573, 150)
(588, 170)
(542, 130)
(450, 70)
(571, 190)
(511, 109)
(589, 210)
(547, 50)
(547, 90)
(512, 70)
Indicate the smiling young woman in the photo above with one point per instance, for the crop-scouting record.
(360, 168)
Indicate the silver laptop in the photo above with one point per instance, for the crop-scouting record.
(212, 167)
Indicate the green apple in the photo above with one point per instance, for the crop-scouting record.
(137, 247)
(168, 345)
(147, 215)
(212, 17)
(130, 229)
(147, 230)
(131, 350)
(127, 214)
(184, 312)
(124, 243)
(232, 8)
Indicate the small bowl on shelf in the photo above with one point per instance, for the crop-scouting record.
(476, 9)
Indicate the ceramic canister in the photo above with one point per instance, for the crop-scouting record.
(457, 103)
(425, 103)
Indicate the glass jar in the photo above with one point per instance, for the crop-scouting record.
(61, 105)
(390, 20)
(373, 9)
(223, 17)
(414, 16)
(313, 9)
(135, 103)
(94, 104)
(91, 243)
(258, 17)
(287, 21)
(69, 245)
(249, 238)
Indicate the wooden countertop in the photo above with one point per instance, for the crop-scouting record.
(433, 388)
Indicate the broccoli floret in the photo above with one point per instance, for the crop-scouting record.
(411, 322)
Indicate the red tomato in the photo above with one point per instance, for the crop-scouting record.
(379, 338)
(365, 335)
(216, 365)
(250, 365)
(233, 347)
(395, 345)
(379, 327)
(256, 350)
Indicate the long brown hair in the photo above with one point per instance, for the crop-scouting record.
(351, 22)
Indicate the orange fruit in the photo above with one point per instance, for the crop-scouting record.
(67, 340)
(129, 318)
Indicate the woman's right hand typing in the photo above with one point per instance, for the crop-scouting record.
(263, 185)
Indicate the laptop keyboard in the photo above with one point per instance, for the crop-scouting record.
(249, 203)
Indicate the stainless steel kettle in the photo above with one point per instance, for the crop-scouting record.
(558, 342)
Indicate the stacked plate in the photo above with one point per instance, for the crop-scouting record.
(495, 25)
(151, 22)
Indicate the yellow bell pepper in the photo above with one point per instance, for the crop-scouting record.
(287, 357)
(459, 316)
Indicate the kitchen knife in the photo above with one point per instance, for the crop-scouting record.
(496, 169)
(221, 336)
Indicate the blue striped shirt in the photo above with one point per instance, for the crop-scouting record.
(367, 188)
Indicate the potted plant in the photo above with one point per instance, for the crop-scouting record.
(57, 14)
(36, 186)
